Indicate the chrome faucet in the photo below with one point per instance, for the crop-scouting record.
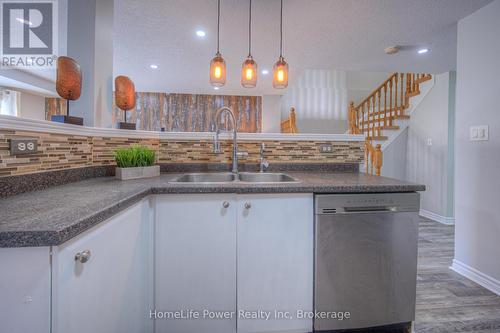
(264, 164)
(217, 149)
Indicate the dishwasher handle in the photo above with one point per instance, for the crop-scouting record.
(370, 209)
(367, 210)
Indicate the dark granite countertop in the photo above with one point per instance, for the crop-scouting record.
(52, 216)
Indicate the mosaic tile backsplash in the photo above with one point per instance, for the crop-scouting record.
(60, 152)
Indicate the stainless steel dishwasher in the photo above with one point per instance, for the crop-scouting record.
(365, 260)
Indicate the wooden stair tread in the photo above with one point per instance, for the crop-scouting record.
(413, 93)
(377, 138)
(379, 113)
(375, 121)
(423, 79)
(394, 127)
(403, 116)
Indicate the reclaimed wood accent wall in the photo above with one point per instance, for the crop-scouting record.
(191, 112)
(54, 106)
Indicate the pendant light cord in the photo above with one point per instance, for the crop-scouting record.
(250, 31)
(218, 24)
(281, 30)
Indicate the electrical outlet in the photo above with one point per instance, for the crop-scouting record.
(326, 148)
(23, 146)
(479, 133)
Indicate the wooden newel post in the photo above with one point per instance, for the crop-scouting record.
(351, 114)
(377, 159)
(368, 156)
(293, 120)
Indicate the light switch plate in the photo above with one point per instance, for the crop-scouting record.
(23, 146)
(479, 133)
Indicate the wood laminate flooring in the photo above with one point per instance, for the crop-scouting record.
(446, 301)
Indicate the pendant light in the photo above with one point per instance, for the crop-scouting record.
(218, 65)
(280, 69)
(249, 67)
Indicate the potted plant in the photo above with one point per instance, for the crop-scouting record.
(135, 162)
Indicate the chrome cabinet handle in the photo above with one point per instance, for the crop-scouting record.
(225, 204)
(248, 205)
(83, 256)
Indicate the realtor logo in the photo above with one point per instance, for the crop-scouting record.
(28, 33)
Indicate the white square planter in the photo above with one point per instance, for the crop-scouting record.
(136, 173)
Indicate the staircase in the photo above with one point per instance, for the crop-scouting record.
(384, 114)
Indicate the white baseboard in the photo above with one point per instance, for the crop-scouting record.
(436, 217)
(476, 276)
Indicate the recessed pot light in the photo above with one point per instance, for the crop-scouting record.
(265, 72)
(153, 66)
(201, 33)
(216, 88)
(423, 50)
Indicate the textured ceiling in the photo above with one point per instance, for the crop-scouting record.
(318, 34)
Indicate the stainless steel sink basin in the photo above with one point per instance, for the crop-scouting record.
(265, 177)
(218, 177)
(226, 177)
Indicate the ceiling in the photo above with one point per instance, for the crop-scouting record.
(318, 34)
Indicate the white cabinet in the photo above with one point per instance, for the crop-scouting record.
(25, 290)
(210, 259)
(112, 291)
(275, 261)
(195, 261)
(214, 254)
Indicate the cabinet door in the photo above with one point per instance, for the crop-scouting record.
(112, 291)
(195, 262)
(25, 290)
(275, 261)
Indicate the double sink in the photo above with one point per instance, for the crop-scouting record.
(229, 177)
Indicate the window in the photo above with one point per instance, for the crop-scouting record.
(9, 102)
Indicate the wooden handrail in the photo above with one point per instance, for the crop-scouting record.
(380, 108)
(376, 89)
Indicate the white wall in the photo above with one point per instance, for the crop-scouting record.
(90, 43)
(361, 84)
(32, 106)
(271, 113)
(80, 46)
(423, 153)
(477, 184)
(395, 158)
(103, 84)
(428, 160)
(320, 101)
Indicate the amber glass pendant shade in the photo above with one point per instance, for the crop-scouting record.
(218, 71)
(218, 65)
(249, 73)
(280, 74)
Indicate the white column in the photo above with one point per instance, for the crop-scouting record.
(90, 43)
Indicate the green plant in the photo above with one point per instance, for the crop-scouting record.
(135, 156)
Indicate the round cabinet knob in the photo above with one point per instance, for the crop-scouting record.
(225, 204)
(83, 256)
(248, 205)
